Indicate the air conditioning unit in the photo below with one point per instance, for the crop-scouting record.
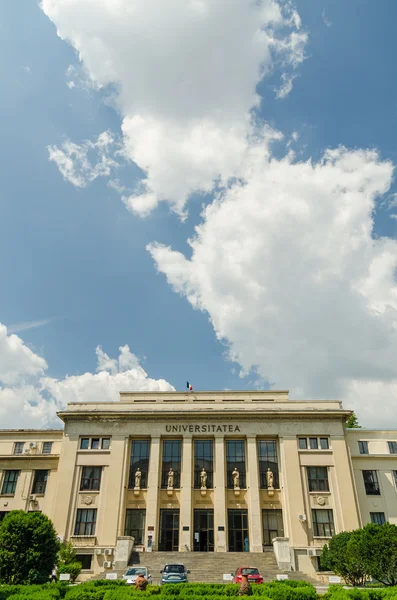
(107, 564)
(98, 551)
(26, 451)
(33, 445)
(302, 518)
(108, 551)
(33, 498)
(312, 552)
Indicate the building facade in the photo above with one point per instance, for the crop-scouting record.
(201, 471)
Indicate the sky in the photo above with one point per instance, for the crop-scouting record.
(197, 190)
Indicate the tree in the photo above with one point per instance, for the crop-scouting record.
(342, 555)
(28, 548)
(378, 548)
(352, 422)
(67, 562)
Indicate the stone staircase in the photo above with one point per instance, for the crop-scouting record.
(209, 567)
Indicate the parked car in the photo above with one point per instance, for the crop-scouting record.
(253, 575)
(174, 573)
(132, 573)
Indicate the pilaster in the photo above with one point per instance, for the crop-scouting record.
(185, 514)
(220, 517)
(254, 506)
(152, 525)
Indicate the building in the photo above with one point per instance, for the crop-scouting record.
(279, 474)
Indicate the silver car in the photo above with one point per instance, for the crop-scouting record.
(132, 573)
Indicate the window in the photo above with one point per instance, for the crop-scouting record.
(171, 459)
(395, 478)
(318, 479)
(203, 459)
(84, 443)
(91, 478)
(85, 521)
(392, 447)
(267, 456)
(135, 524)
(10, 482)
(85, 560)
(47, 447)
(235, 459)
(377, 517)
(105, 445)
(313, 443)
(324, 444)
(40, 482)
(323, 523)
(18, 447)
(140, 452)
(95, 444)
(363, 447)
(302, 443)
(3, 513)
(371, 483)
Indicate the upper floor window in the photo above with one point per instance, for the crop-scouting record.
(18, 447)
(302, 443)
(9, 482)
(395, 478)
(318, 479)
(47, 447)
(171, 460)
(371, 483)
(363, 447)
(392, 447)
(235, 459)
(314, 443)
(140, 452)
(377, 517)
(105, 443)
(40, 481)
(91, 478)
(94, 443)
(267, 456)
(323, 522)
(85, 521)
(203, 459)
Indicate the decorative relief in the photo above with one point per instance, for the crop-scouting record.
(320, 500)
(88, 500)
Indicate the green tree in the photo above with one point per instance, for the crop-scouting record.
(342, 556)
(352, 422)
(67, 562)
(378, 548)
(28, 548)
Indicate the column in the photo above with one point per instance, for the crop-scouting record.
(220, 518)
(254, 505)
(153, 492)
(185, 508)
(293, 498)
(347, 512)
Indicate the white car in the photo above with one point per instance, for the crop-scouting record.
(132, 573)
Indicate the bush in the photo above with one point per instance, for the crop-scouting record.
(67, 562)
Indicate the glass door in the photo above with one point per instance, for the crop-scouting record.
(169, 530)
(203, 531)
(272, 525)
(238, 530)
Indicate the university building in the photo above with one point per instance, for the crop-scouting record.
(201, 472)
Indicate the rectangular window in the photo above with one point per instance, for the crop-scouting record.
(324, 443)
(3, 513)
(267, 456)
(47, 447)
(84, 443)
(95, 444)
(323, 523)
(302, 444)
(235, 459)
(85, 521)
(18, 447)
(392, 447)
(91, 478)
(140, 453)
(371, 483)
(105, 443)
(10, 482)
(395, 478)
(203, 459)
(171, 460)
(313, 443)
(318, 479)
(40, 482)
(377, 517)
(135, 524)
(85, 560)
(363, 447)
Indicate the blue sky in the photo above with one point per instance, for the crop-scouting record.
(78, 258)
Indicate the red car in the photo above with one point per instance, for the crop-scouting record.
(253, 575)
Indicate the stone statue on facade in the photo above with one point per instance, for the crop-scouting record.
(269, 479)
(170, 479)
(236, 479)
(138, 476)
(203, 479)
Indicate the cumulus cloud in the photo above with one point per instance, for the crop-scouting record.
(29, 398)
(285, 264)
(185, 74)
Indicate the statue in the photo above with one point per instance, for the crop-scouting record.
(236, 478)
(170, 478)
(203, 479)
(138, 476)
(269, 479)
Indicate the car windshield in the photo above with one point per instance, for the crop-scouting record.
(174, 569)
(248, 571)
(138, 571)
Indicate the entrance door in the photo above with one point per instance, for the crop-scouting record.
(169, 530)
(203, 531)
(272, 525)
(238, 530)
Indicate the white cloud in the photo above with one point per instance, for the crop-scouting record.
(25, 325)
(28, 398)
(285, 264)
(326, 20)
(186, 74)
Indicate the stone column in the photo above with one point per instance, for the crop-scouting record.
(254, 506)
(185, 510)
(292, 492)
(153, 492)
(220, 517)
